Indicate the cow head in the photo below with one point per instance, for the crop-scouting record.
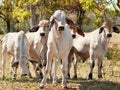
(43, 27)
(59, 19)
(108, 28)
(23, 62)
(74, 30)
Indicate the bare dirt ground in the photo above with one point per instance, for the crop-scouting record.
(110, 80)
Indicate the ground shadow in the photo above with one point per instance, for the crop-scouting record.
(81, 83)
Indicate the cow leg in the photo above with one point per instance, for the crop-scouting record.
(55, 71)
(75, 66)
(99, 68)
(64, 68)
(35, 69)
(92, 64)
(3, 62)
(40, 71)
(14, 69)
(69, 64)
(47, 69)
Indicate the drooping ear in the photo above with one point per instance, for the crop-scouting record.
(80, 32)
(15, 64)
(69, 21)
(34, 28)
(101, 30)
(115, 29)
(52, 21)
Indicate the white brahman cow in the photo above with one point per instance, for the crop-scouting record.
(93, 45)
(59, 44)
(37, 38)
(17, 46)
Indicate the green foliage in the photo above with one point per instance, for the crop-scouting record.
(114, 53)
(2, 26)
(18, 10)
(100, 9)
(87, 4)
(15, 10)
(20, 14)
(25, 3)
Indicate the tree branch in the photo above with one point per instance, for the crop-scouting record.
(3, 17)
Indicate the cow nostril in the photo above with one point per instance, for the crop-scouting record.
(73, 36)
(42, 34)
(61, 28)
(109, 35)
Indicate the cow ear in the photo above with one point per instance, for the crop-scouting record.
(80, 32)
(101, 30)
(115, 29)
(69, 21)
(34, 28)
(15, 64)
(52, 21)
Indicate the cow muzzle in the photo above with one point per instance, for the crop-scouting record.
(42, 34)
(73, 36)
(109, 35)
(61, 28)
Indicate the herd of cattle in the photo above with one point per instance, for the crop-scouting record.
(53, 41)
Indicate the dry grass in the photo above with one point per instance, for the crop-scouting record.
(110, 80)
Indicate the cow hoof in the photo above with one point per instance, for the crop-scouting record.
(99, 76)
(68, 76)
(75, 77)
(90, 76)
(41, 86)
(23, 75)
(14, 77)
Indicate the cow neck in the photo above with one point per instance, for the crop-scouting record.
(104, 37)
(58, 35)
(58, 38)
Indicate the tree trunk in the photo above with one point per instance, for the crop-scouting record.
(80, 17)
(8, 25)
(118, 3)
(33, 20)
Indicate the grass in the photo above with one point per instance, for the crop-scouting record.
(110, 80)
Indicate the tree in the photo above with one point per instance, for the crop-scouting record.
(33, 10)
(11, 10)
(5, 13)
